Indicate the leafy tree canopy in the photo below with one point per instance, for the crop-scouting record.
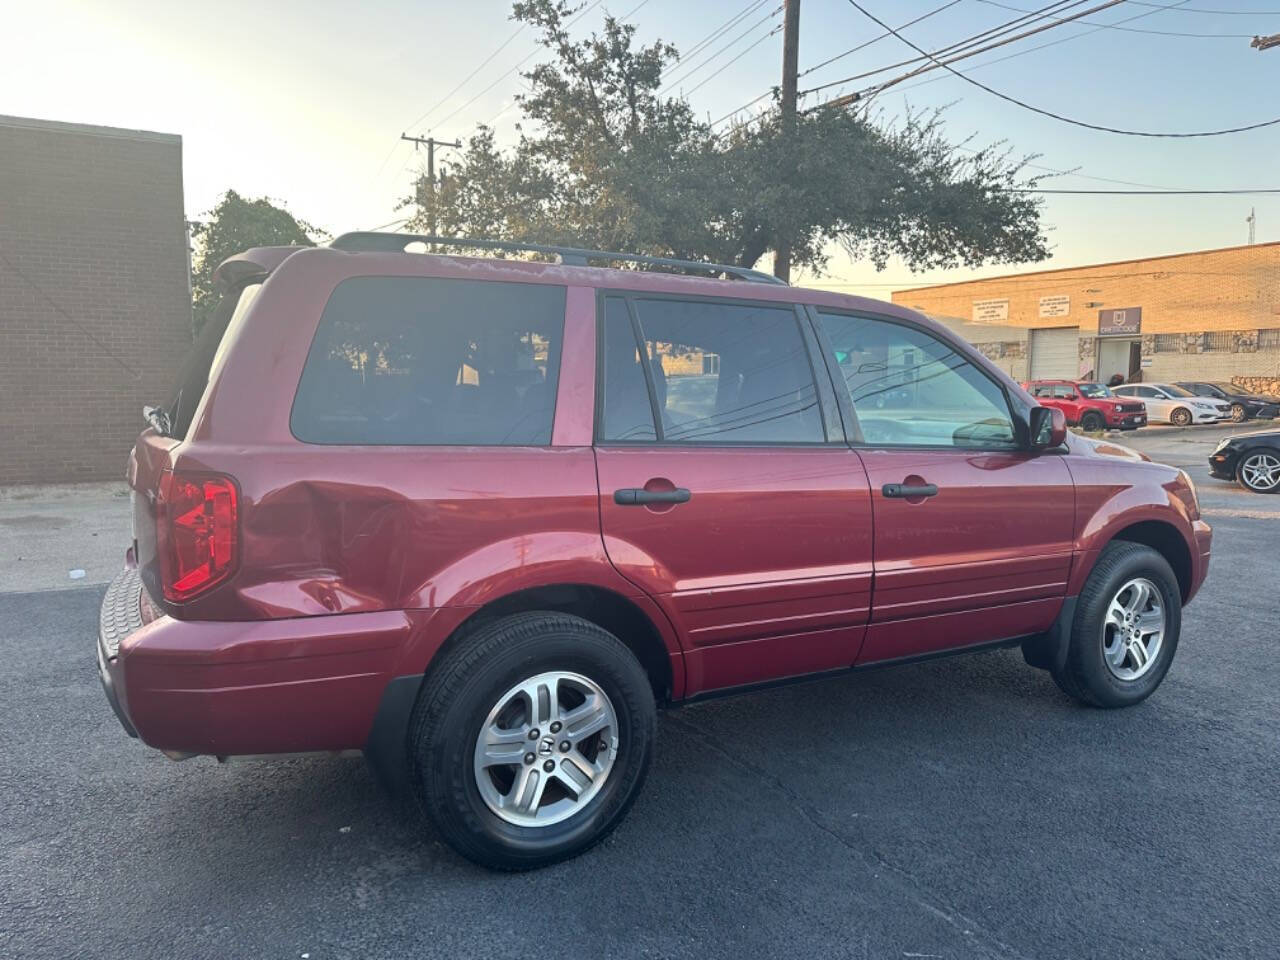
(231, 227)
(604, 160)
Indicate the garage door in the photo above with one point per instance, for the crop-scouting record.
(1055, 354)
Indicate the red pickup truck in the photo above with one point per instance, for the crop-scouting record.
(1091, 406)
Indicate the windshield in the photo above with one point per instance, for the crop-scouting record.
(1094, 391)
(1173, 390)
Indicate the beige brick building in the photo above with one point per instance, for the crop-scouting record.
(1211, 315)
(95, 308)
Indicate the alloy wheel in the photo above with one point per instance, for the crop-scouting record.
(1133, 630)
(546, 749)
(1261, 471)
(1181, 417)
(1237, 413)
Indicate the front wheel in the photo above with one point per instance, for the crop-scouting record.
(1181, 417)
(1125, 632)
(1260, 471)
(1092, 422)
(530, 739)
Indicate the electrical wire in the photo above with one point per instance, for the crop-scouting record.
(672, 84)
(1221, 13)
(1158, 33)
(1146, 193)
(467, 79)
(1058, 6)
(1059, 117)
(624, 17)
(719, 31)
(876, 39)
(722, 69)
(966, 48)
(1050, 43)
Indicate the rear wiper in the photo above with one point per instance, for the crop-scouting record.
(158, 418)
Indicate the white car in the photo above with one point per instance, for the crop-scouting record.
(1169, 403)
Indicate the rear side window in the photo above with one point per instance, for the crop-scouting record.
(203, 360)
(716, 373)
(429, 361)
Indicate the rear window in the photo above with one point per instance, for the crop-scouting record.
(429, 361)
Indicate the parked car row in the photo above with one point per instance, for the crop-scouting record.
(1095, 406)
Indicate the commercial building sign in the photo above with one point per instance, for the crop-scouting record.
(1120, 323)
(1058, 306)
(991, 311)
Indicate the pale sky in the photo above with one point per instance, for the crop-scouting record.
(303, 102)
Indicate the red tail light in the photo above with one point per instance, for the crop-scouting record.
(196, 533)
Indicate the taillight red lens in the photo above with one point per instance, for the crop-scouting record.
(196, 533)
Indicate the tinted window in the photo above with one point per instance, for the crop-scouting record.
(628, 414)
(1043, 390)
(1094, 391)
(726, 373)
(1064, 393)
(418, 360)
(205, 356)
(910, 388)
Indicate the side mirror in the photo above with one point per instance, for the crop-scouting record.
(1047, 428)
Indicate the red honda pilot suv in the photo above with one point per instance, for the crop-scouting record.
(480, 517)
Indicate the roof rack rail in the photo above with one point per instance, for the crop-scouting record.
(370, 241)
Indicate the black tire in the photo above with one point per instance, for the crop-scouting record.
(1092, 421)
(1240, 474)
(456, 697)
(1086, 676)
(1238, 413)
(1180, 417)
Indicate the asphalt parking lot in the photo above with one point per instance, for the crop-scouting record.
(959, 808)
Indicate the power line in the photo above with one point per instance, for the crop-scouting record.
(721, 30)
(1159, 33)
(965, 49)
(483, 63)
(1221, 13)
(712, 57)
(877, 39)
(1056, 116)
(1052, 43)
(533, 53)
(722, 69)
(958, 45)
(624, 17)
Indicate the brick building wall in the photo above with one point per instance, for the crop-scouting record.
(1210, 314)
(95, 311)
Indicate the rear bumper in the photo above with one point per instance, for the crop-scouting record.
(272, 686)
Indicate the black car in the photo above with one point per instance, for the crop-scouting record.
(1251, 458)
(1244, 405)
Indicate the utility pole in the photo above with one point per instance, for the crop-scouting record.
(1252, 221)
(1266, 43)
(790, 78)
(431, 144)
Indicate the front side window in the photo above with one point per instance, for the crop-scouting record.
(1094, 391)
(716, 373)
(911, 389)
(427, 361)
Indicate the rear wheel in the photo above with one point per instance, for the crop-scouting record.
(1181, 417)
(530, 739)
(1259, 471)
(1238, 413)
(1092, 421)
(1126, 628)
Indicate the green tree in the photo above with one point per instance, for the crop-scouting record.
(603, 160)
(231, 227)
